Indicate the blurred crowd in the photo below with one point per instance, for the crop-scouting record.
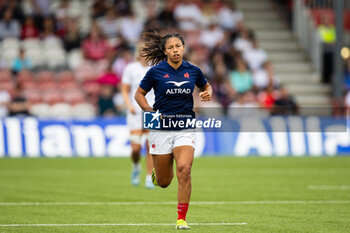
(65, 58)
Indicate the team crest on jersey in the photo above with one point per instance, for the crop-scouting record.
(166, 76)
(186, 75)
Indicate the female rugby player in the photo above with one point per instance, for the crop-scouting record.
(132, 76)
(173, 81)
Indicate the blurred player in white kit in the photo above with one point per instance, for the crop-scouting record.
(132, 75)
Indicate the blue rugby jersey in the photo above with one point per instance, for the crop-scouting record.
(173, 88)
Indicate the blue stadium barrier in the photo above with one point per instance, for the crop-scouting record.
(100, 137)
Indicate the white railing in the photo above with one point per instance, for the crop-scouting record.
(307, 34)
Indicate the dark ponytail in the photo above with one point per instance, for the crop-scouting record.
(154, 46)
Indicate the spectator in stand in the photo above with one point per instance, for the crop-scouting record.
(5, 99)
(229, 17)
(123, 6)
(255, 57)
(43, 7)
(105, 102)
(245, 106)
(131, 28)
(9, 27)
(61, 18)
(21, 62)
(109, 77)
(14, 6)
(48, 28)
(95, 46)
(125, 57)
(285, 104)
(166, 17)
(229, 57)
(99, 8)
(243, 42)
(39, 9)
(109, 23)
(29, 29)
(72, 39)
(212, 35)
(96, 52)
(222, 89)
(151, 21)
(241, 78)
(264, 77)
(209, 14)
(188, 15)
(267, 98)
(328, 37)
(19, 105)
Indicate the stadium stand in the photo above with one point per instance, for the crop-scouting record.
(245, 51)
(289, 61)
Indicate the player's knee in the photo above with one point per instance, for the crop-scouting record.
(164, 182)
(184, 172)
(135, 153)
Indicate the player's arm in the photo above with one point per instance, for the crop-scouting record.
(140, 97)
(206, 92)
(125, 93)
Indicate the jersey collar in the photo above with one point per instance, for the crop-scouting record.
(184, 64)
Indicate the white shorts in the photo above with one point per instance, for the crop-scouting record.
(164, 141)
(134, 121)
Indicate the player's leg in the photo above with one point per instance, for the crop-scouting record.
(184, 158)
(183, 152)
(163, 166)
(149, 166)
(160, 146)
(135, 141)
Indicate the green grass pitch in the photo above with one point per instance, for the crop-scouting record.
(268, 194)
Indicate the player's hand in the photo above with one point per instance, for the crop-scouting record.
(205, 96)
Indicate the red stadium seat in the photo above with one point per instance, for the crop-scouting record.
(28, 85)
(91, 88)
(25, 76)
(68, 85)
(52, 97)
(45, 76)
(33, 96)
(74, 96)
(5, 75)
(7, 86)
(318, 13)
(65, 76)
(47, 85)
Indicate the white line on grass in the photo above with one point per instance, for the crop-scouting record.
(121, 224)
(173, 203)
(328, 187)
